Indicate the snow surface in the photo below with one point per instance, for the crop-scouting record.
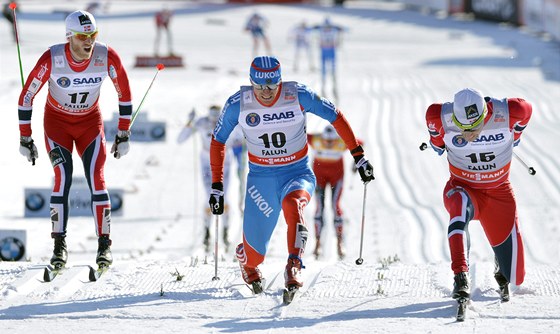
(393, 64)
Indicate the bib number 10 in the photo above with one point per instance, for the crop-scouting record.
(277, 139)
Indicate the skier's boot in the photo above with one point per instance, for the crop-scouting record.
(461, 286)
(340, 247)
(251, 276)
(104, 255)
(339, 238)
(60, 253)
(317, 251)
(503, 283)
(292, 274)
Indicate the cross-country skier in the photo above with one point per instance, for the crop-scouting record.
(479, 134)
(300, 34)
(330, 36)
(328, 167)
(163, 20)
(272, 115)
(75, 71)
(205, 126)
(256, 25)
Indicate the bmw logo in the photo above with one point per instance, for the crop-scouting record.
(459, 141)
(253, 119)
(157, 132)
(34, 202)
(11, 249)
(63, 82)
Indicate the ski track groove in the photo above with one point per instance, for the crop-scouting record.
(396, 177)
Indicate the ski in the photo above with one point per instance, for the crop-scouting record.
(289, 294)
(462, 308)
(95, 274)
(51, 273)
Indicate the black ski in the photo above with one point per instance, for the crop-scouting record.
(289, 294)
(51, 273)
(462, 308)
(95, 274)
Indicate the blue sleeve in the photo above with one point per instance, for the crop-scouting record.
(228, 119)
(313, 103)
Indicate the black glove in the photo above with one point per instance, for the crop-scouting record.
(28, 149)
(362, 164)
(217, 198)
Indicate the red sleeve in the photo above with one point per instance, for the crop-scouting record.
(310, 139)
(119, 77)
(519, 115)
(35, 81)
(435, 126)
(217, 157)
(345, 132)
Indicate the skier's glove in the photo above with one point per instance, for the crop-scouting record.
(362, 164)
(28, 149)
(121, 145)
(217, 198)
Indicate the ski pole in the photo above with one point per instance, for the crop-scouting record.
(159, 68)
(216, 278)
(531, 170)
(13, 6)
(360, 260)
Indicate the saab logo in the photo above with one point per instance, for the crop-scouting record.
(471, 111)
(459, 141)
(63, 82)
(253, 119)
(498, 137)
(84, 19)
(279, 116)
(56, 156)
(82, 81)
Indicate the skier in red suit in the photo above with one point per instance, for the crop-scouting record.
(75, 71)
(479, 134)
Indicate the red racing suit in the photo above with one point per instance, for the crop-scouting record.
(72, 117)
(328, 167)
(479, 186)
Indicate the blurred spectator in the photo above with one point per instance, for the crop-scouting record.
(300, 34)
(163, 18)
(9, 15)
(256, 25)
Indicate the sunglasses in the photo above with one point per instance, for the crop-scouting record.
(83, 36)
(263, 87)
